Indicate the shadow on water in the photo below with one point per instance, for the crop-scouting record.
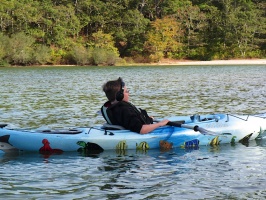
(109, 155)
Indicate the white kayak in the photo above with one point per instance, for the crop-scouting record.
(212, 129)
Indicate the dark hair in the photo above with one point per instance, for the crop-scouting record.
(111, 88)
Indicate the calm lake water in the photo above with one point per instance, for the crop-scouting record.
(60, 97)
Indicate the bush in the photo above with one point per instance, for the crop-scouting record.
(157, 56)
(57, 55)
(4, 63)
(99, 56)
(140, 59)
(111, 58)
(19, 50)
(41, 55)
(199, 53)
(104, 57)
(81, 55)
(255, 54)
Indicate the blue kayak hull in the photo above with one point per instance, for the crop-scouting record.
(227, 129)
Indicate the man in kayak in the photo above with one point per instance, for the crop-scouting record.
(118, 111)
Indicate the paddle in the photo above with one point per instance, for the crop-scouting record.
(195, 128)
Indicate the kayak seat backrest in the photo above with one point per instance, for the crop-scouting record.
(107, 126)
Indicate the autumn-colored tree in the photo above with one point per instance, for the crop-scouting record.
(164, 40)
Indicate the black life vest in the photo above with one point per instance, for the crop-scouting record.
(106, 110)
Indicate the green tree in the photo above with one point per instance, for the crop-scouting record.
(59, 23)
(121, 19)
(192, 20)
(3, 45)
(173, 7)
(6, 20)
(26, 15)
(154, 9)
(232, 27)
(83, 13)
(260, 36)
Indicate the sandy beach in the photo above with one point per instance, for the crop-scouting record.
(214, 62)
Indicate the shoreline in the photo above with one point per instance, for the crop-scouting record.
(171, 62)
(213, 62)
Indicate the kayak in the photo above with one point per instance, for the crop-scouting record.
(185, 132)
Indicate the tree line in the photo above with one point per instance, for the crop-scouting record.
(107, 32)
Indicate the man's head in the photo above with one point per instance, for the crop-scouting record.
(115, 90)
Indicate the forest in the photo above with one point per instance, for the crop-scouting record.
(112, 32)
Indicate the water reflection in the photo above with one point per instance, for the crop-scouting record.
(133, 174)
